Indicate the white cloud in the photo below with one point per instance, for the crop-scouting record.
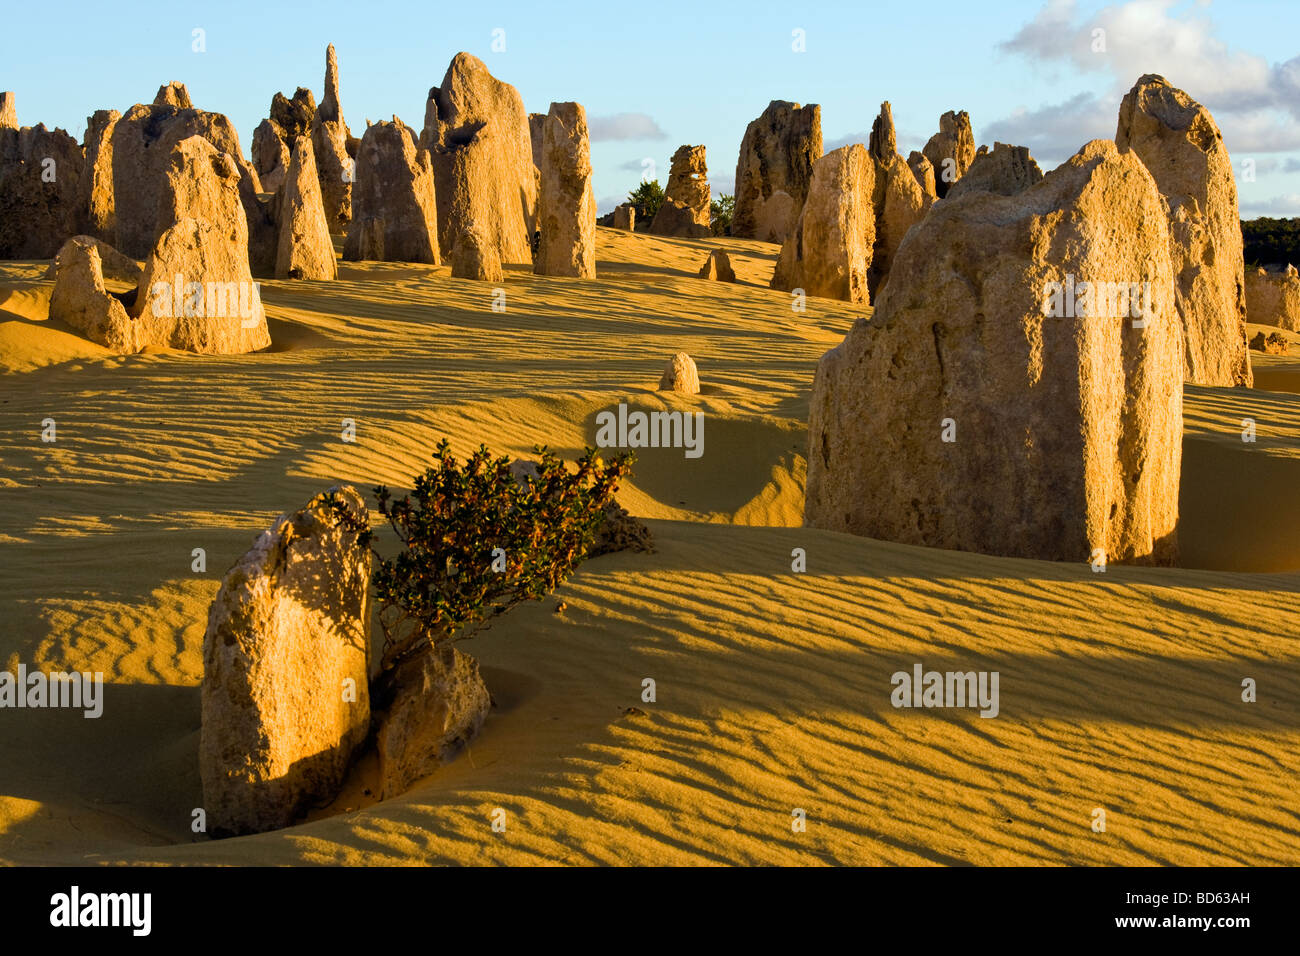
(1279, 206)
(633, 165)
(907, 140)
(1261, 131)
(606, 204)
(624, 126)
(1055, 132)
(846, 140)
(1257, 105)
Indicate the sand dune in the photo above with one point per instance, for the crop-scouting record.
(1119, 690)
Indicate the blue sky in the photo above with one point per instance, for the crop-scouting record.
(655, 76)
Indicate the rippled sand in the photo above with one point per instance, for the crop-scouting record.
(1120, 691)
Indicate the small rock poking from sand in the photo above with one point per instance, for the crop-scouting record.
(625, 217)
(438, 703)
(681, 375)
(718, 267)
(620, 531)
(81, 300)
(1274, 343)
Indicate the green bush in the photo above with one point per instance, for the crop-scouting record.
(720, 211)
(647, 198)
(447, 580)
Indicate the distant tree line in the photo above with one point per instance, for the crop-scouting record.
(1266, 241)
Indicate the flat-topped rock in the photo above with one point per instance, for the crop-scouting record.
(976, 373)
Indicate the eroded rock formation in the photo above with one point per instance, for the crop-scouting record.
(774, 170)
(967, 414)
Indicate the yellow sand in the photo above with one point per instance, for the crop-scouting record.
(1120, 691)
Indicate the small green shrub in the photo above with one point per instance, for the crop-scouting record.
(449, 579)
(720, 211)
(647, 198)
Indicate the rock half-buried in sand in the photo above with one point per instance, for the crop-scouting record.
(1179, 142)
(305, 250)
(196, 291)
(113, 265)
(434, 704)
(394, 209)
(285, 698)
(963, 415)
(625, 217)
(718, 267)
(681, 375)
(566, 216)
(829, 251)
(81, 300)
